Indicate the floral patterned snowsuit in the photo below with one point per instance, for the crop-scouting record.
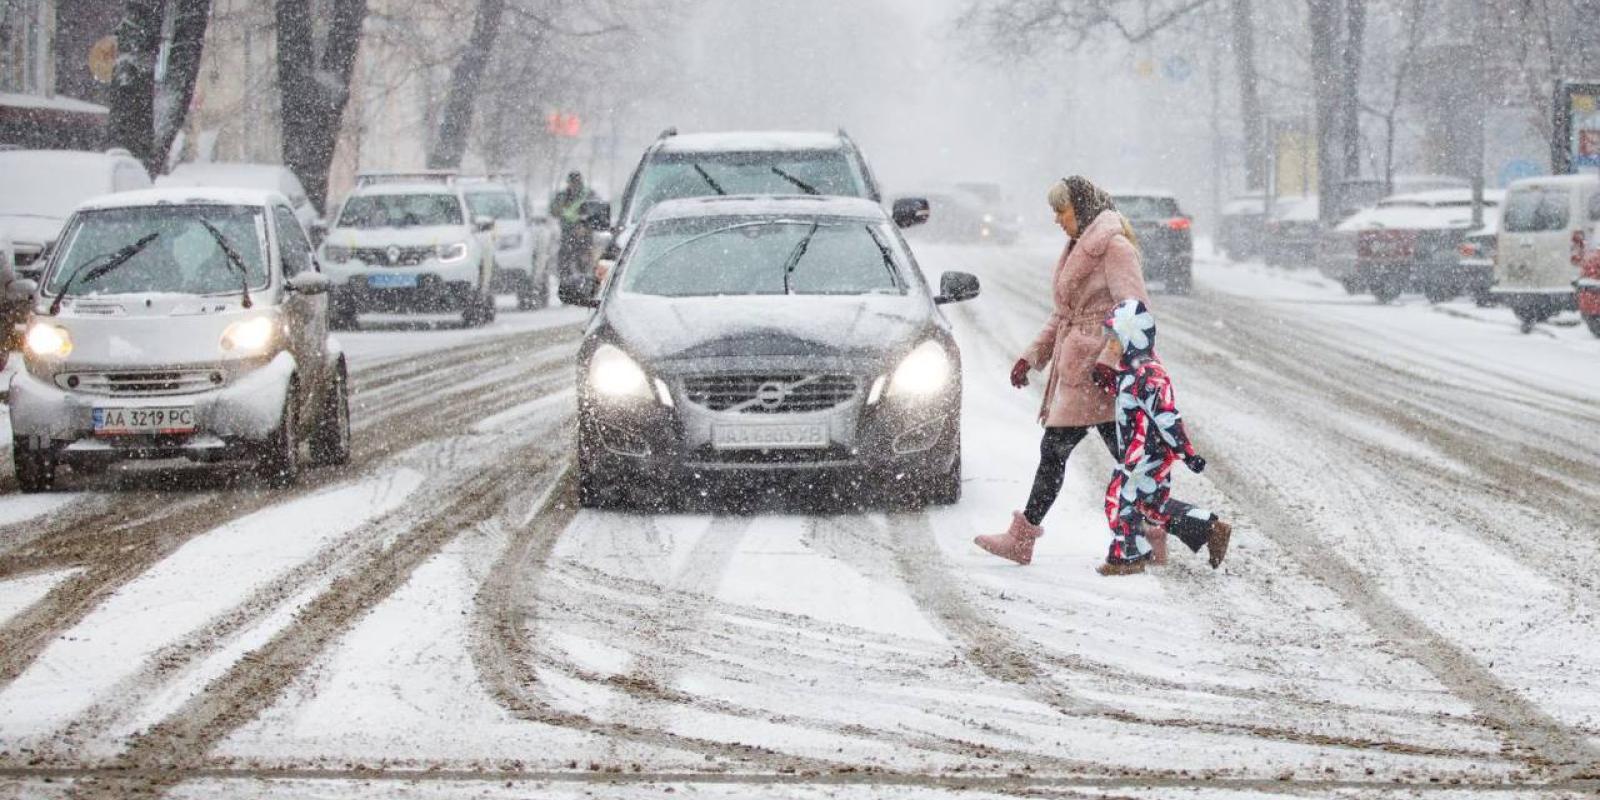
(1151, 437)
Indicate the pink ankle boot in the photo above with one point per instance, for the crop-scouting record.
(1016, 543)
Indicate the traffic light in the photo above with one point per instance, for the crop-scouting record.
(564, 125)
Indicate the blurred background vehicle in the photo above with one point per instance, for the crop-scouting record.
(1407, 242)
(1290, 235)
(1543, 238)
(1242, 226)
(1166, 238)
(1000, 215)
(268, 177)
(955, 215)
(519, 269)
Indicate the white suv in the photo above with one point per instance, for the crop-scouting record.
(520, 267)
(410, 246)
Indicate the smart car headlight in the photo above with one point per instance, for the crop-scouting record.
(510, 241)
(250, 336)
(452, 252)
(613, 374)
(50, 341)
(922, 373)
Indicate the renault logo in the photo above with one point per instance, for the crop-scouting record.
(771, 395)
(394, 254)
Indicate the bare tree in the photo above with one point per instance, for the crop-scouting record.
(450, 141)
(1350, 85)
(148, 102)
(1326, 72)
(1250, 115)
(315, 85)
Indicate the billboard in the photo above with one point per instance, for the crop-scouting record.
(1576, 142)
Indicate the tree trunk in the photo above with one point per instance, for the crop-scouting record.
(314, 91)
(1244, 54)
(176, 90)
(1326, 70)
(455, 121)
(133, 82)
(1350, 85)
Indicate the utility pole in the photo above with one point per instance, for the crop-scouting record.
(1480, 83)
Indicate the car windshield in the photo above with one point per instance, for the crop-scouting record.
(400, 211)
(673, 175)
(744, 256)
(1140, 207)
(184, 257)
(499, 205)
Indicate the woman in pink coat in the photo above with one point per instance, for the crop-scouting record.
(1099, 269)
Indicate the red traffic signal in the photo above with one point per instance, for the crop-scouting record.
(565, 125)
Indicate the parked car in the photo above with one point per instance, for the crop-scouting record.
(1357, 194)
(1543, 234)
(56, 182)
(518, 265)
(1477, 257)
(1166, 243)
(180, 323)
(777, 335)
(1292, 231)
(410, 245)
(1408, 242)
(1242, 226)
(764, 163)
(267, 177)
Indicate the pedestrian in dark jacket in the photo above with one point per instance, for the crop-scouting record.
(1150, 439)
(572, 256)
(1099, 266)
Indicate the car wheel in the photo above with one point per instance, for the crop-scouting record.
(280, 460)
(330, 445)
(1440, 292)
(944, 488)
(1593, 321)
(1482, 298)
(36, 470)
(1350, 286)
(1386, 291)
(479, 313)
(598, 488)
(525, 296)
(541, 291)
(1530, 314)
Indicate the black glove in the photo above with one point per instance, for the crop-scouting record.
(1195, 464)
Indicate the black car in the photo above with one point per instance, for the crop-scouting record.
(1166, 245)
(790, 336)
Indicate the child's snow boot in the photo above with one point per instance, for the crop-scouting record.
(1217, 542)
(1016, 543)
(1115, 569)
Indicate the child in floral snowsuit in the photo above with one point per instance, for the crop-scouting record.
(1150, 437)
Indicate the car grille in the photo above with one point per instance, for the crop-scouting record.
(770, 394)
(404, 256)
(151, 383)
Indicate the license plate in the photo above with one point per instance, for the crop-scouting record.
(121, 421)
(769, 437)
(393, 281)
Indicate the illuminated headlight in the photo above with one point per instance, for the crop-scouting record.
(47, 340)
(921, 374)
(452, 252)
(988, 219)
(250, 336)
(613, 374)
(510, 241)
(335, 253)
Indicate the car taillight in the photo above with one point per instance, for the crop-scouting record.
(1577, 248)
(1178, 223)
(1591, 266)
(1468, 250)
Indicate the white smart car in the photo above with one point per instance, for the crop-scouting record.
(180, 323)
(409, 244)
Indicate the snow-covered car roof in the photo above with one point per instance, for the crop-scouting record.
(1440, 197)
(750, 141)
(57, 180)
(244, 176)
(1436, 210)
(1305, 208)
(1553, 180)
(766, 205)
(185, 196)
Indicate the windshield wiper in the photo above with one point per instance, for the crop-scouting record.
(233, 258)
(710, 181)
(708, 234)
(93, 272)
(800, 184)
(888, 259)
(796, 254)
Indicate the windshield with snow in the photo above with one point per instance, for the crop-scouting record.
(184, 257)
(742, 256)
(673, 175)
(499, 205)
(400, 211)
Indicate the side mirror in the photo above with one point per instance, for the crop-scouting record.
(22, 289)
(309, 283)
(579, 290)
(596, 214)
(909, 211)
(319, 232)
(482, 223)
(954, 287)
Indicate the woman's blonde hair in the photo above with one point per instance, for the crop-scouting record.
(1087, 202)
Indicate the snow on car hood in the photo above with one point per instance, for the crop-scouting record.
(428, 236)
(148, 330)
(772, 325)
(27, 229)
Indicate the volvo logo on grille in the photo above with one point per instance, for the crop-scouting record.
(393, 253)
(771, 395)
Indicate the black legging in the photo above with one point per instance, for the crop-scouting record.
(1053, 451)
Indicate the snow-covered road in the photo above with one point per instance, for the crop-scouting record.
(1409, 605)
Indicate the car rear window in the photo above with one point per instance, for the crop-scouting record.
(670, 176)
(1533, 210)
(1141, 207)
(705, 256)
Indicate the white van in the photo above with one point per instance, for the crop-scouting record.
(1542, 237)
